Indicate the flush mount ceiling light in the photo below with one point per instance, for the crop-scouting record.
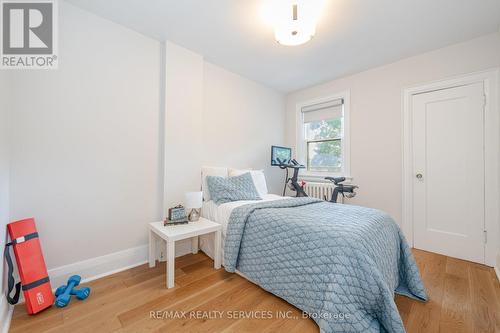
(294, 21)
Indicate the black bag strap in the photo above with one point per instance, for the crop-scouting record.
(10, 273)
(10, 278)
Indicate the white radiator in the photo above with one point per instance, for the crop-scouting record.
(321, 191)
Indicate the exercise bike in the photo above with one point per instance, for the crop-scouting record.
(282, 157)
(347, 191)
(292, 182)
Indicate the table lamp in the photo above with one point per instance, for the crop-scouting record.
(193, 201)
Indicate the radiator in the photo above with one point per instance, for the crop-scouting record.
(321, 190)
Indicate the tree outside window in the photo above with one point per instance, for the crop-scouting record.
(324, 145)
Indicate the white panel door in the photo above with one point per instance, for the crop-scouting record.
(448, 166)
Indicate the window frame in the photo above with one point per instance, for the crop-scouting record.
(301, 142)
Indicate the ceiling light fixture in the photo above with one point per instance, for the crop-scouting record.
(294, 21)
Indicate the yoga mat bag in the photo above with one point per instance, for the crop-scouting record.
(31, 266)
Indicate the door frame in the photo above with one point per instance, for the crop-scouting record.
(490, 79)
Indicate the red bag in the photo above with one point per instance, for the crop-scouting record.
(32, 270)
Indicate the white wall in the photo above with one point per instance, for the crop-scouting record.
(183, 123)
(376, 99)
(214, 118)
(217, 118)
(85, 141)
(241, 120)
(4, 189)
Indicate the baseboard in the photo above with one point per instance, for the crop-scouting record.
(5, 315)
(497, 271)
(98, 267)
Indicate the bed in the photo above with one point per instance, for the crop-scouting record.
(340, 264)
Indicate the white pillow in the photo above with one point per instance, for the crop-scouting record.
(258, 177)
(210, 171)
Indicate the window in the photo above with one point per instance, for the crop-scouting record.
(323, 141)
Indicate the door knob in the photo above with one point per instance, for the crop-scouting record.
(419, 176)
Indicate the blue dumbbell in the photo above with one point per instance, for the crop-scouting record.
(64, 294)
(81, 293)
(60, 290)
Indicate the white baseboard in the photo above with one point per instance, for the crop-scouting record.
(497, 271)
(5, 314)
(95, 268)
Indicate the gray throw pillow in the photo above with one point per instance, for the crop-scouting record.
(229, 189)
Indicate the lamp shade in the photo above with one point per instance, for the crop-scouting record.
(193, 199)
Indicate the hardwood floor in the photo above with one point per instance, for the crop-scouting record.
(464, 297)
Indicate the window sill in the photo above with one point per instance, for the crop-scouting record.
(320, 178)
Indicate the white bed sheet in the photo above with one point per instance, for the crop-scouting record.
(221, 215)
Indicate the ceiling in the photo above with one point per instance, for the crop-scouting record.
(351, 36)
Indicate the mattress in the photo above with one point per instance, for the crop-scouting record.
(221, 215)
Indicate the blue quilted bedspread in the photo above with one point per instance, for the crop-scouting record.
(341, 264)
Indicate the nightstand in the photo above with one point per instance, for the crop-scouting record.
(171, 234)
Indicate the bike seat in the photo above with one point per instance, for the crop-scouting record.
(335, 180)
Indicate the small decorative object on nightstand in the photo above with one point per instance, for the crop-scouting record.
(194, 201)
(176, 215)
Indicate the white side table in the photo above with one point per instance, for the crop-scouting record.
(171, 234)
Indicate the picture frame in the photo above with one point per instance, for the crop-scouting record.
(177, 213)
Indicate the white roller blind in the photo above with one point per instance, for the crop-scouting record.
(321, 111)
